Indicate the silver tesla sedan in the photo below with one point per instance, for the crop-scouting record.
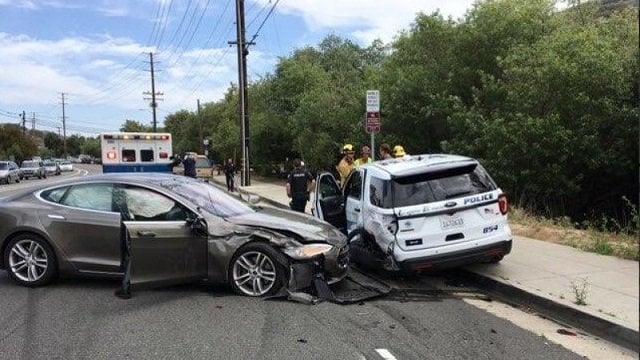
(159, 230)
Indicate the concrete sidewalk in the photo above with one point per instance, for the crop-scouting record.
(548, 275)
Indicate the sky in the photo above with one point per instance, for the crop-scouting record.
(96, 52)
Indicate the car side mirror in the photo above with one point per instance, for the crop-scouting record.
(198, 225)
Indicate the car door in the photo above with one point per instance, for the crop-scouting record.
(162, 246)
(353, 200)
(329, 201)
(85, 225)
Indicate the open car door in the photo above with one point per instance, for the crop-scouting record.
(165, 253)
(329, 201)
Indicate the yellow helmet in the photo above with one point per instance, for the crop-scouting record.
(398, 151)
(347, 147)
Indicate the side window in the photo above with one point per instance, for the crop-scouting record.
(128, 155)
(54, 195)
(146, 205)
(376, 187)
(146, 155)
(354, 185)
(90, 196)
(328, 187)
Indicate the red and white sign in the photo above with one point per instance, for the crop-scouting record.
(372, 122)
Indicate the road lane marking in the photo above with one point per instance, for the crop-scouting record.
(386, 355)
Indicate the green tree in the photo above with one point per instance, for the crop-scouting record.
(53, 142)
(134, 126)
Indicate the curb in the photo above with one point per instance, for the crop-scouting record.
(597, 326)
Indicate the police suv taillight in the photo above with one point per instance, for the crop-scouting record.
(503, 204)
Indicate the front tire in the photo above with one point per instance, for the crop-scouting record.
(30, 260)
(255, 270)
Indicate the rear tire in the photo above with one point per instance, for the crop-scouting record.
(255, 270)
(30, 260)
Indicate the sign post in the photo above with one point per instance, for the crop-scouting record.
(372, 120)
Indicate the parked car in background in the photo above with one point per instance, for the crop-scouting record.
(33, 168)
(9, 172)
(66, 165)
(204, 167)
(52, 168)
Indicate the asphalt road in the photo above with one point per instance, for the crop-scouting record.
(81, 318)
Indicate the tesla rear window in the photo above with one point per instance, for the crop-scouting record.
(430, 187)
(54, 195)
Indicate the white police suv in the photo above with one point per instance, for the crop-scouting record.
(419, 212)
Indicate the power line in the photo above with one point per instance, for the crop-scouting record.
(192, 34)
(158, 39)
(262, 24)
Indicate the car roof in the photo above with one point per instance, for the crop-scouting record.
(416, 164)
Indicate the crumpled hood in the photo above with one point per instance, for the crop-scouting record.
(310, 229)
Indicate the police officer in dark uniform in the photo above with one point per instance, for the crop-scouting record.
(297, 186)
(189, 166)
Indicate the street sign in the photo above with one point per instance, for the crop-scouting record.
(373, 101)
(372, 122)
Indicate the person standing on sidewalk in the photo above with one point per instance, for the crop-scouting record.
(229, 173)
(385, 151)
(298, 184)
(189, 164)
(365, 156)
(346, 164)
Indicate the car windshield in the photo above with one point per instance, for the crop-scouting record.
(49, 163)
(4, 166)
(208, 197)
(29, 164)
(66, 162)
(429, 187)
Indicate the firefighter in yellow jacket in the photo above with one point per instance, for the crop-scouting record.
(346, 164)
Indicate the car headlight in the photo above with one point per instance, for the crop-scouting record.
(308, 251)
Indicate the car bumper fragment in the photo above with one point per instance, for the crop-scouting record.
(308, 285)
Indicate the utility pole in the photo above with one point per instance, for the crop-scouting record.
(33, 122)
(243, 51)
(200, 128)
(153, 93)
(64, 128)
(24, 127)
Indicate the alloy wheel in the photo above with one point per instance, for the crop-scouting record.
(28, 260)
(254, 273)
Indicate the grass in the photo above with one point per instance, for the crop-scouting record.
(580, 290)
(622, 243)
